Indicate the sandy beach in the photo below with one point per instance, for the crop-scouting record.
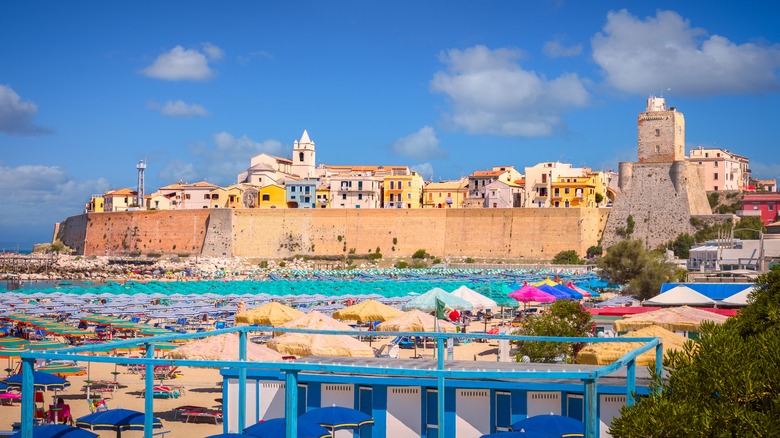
(202, 388)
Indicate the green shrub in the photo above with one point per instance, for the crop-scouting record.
(469, 260)
(264, 264)
(420, 254)
(282, 264)
(152, 255)
(135, 253)
(569, 257)
(401, 265)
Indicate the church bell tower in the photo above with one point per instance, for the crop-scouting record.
(303, 157)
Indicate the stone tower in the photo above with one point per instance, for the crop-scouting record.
(661, 191)
(304, 157)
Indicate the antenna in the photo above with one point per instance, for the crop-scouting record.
(141, 167)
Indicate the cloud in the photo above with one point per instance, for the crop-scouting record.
(16, 116)
(213, 52)
(556, 49)
(651, 55)
(181, 64)
(179, 108)
(38, 195)
(220, 160)
(422, 145)
(761, 170)
(491, 93)
(244, 59)
(424, 169)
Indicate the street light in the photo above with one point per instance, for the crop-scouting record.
(760, 245)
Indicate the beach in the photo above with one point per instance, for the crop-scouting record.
(202, 387)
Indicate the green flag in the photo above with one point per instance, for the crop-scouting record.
(441, 309)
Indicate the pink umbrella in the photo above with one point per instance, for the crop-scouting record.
(573, 287)
(528, 293)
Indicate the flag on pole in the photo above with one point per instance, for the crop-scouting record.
(442, 309)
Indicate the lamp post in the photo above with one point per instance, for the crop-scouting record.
(760, 245)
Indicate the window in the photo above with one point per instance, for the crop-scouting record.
(716, 188)
(343, 196)
(408, 196)
(187, 196)
(392, 197)
(449, 195)
(771, 207)
(360, 185)
(715, 176)
(408, 184)
(715, 163)
(657, 132)
(392, 185)
(557, 203)
(306, 189)
(300, 157)
(566, 204)
(556, 192)
(566, 190)
(657, 149)
(399, 185)
(360, 196)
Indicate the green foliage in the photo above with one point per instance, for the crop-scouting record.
(629, 263)
(174, 247)
(57, 246)
(714, 199)
(352, 250)
(420, 254)
(725, 384)
(599, 197)
(375, 256)
(183, 255)
(135, 253)
(339, 238)
(565, 318)
(436, 261)
(630, 225)
(264, 264)
(282, 264)
(682, 245)
(395, 241)
(595, 251)
(469, 260)
(569, 257)
(153, 255)
(745, 225)
(402, 265)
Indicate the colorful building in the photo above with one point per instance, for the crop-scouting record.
(323, 196)
(403, 190)
(539, 181)
(723, 170)
(301, 193)
(502, 194)
(97, 204)
(445, 194)
(356, 190)
(479, 180)
(120, 200)
(574, 192)
(196, 195)
(764, 205)
(271, 196)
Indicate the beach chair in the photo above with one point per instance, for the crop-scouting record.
(97, 404)
(392, 349)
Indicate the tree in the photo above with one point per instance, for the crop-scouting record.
(747, 223)
(420, 254)
(599, 197)
(725, 384)
(565, 318)
(629, 263)
(595, 251)
(569, 257)
(682, 245)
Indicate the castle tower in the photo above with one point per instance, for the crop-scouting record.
(661, 133)
(303, 157)
(662, 191)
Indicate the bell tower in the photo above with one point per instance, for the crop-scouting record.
(661, 133)
(303, 159)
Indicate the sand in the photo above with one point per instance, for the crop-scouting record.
(202, 387)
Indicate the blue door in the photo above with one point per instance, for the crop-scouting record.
(575, 406)
(431, 412)
(366, 406)
(503, 416)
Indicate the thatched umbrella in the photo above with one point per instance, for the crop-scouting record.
(272, 313)
(224, 347)
(366, 311)
(306, 344)
(682, 318)
(415, 321)
(604, 353)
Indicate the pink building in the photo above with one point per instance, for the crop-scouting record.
(766, 204)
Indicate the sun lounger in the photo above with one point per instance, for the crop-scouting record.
(208, 415)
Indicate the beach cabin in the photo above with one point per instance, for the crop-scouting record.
(404, 406)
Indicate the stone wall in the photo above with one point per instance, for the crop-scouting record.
(661, 198)
(492, 233)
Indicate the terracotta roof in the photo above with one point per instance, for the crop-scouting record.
(203, 184)
(366, 168)
(761, 197)
(446, 185)
(121, 192)
(520, 182)
(481, 173)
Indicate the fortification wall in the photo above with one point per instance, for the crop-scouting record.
(72, 232)
(499, 233)
(660, 197)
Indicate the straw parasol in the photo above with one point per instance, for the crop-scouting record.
(682, 318)
(414, 321)
(272, 313)
(604, 353)
(369, 310)
(306, 344)
(224, 347)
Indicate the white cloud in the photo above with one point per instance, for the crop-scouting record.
(16, 116)
(422, 145)
(556, 49)
(651, 55)
(179, 108)
(213, 52)
(177, 170)
(761, 170)
(491, 93)
(182, 64)
(38, 195)
(424, 169)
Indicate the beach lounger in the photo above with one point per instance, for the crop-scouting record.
(207, 415)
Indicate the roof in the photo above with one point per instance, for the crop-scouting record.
(715, 291)
(349, 168)
(485, 173)
(447, 185)
(200, 184)
(121, 192)
(761, 197)
(305, 137)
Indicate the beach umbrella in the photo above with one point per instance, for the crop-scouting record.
(681, 318)
(223, 347)
(305, 344)
(528, 294)
(517, 434)
(427, 301)
(117, 420)
(337, 417)
(679, 295)
(477, 300)
(416, 321)
(605, 353)
(230, 435)
(41, 381)
(365, 311)
(552, 425)
(546, 281)
(276, 427)
(316, 320)
(557, 293)
(12, 341)
(272, 314)
(57, 431)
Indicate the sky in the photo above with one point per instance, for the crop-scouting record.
(196, 88)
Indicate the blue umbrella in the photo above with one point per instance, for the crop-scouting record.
(557, 293)
(117, 420)
(57, 431)
(276, 428)
(337, 417)
(572, 292)
(517, 434)
(552, 425)
(228, 435)
(41, 381)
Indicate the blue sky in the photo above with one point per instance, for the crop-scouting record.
(449, 87)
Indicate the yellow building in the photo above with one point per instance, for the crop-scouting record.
(323, 196)
(570, 191)
(120, 200)
(605, 182)
(445, 194)
(271, 196)
(403, 190)
(97, 204)
(219, 198)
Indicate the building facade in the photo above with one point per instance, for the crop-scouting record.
(574, 192)
(479, 180)
(539, 181)
(120, 200)
(356, 190)
(196, 195)
(764, 205)
(661, 133)
(301, 193)
(501, 194)
(403, 190)
(723, 170)
(445, 194)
